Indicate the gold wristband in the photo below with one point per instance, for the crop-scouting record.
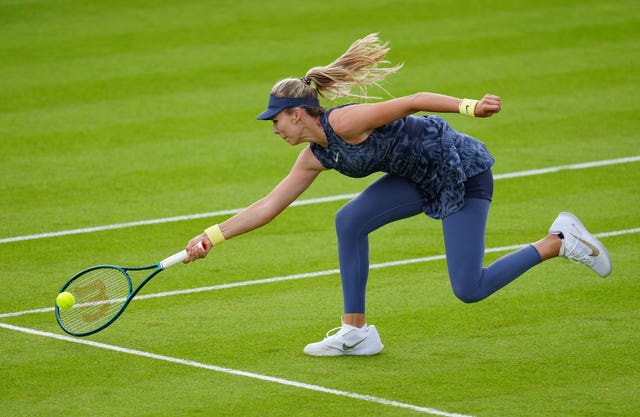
(214, 234)
(467, 107)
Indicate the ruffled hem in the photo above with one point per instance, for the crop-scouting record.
(443, 192)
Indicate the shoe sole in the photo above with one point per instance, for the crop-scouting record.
(340, 352)
(336, 352)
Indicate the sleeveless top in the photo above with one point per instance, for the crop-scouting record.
(423, 149)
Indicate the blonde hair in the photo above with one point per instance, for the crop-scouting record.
(357, 67)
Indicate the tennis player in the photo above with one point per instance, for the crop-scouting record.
(429, 168)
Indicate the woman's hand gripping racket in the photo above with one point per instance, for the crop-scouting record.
(100, 294)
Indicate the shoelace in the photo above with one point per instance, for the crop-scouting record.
(579, 253)
(335, 330)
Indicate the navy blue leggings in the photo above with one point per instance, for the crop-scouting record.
(392, 198)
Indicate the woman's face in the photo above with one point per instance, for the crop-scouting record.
(287, 125)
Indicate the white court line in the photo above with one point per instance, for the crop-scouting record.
(281, 381)
(570, 167)
(163, 220)
(115, 226)
(307, 275)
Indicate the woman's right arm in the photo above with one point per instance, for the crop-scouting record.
(302, 174)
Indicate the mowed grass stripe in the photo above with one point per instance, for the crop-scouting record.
(314, 274)
(94, 229)
(252, 375)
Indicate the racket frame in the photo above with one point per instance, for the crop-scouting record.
(157, 268)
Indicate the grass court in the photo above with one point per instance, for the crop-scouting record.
(127, 127)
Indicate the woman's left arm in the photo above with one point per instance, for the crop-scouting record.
(352, 121)
(438, 103)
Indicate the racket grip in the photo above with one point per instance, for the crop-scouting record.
(176, 258)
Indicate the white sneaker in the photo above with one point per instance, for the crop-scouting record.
(348, 340)
(580, 246)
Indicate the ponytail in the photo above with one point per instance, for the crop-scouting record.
(358, 67)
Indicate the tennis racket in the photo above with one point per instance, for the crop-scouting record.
(102, 293)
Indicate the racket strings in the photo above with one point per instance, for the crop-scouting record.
(99, 294)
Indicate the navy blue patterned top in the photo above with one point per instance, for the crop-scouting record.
(423, 149)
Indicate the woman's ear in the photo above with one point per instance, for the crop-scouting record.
(297, 114)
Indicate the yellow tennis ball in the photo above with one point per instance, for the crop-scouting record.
(65, 300)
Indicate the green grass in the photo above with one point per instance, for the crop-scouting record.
(121, 111)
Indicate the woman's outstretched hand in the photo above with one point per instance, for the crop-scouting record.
(488, 106)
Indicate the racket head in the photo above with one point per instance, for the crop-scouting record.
(101, 294)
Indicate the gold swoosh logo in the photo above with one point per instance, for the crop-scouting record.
(594, 251)
(345, 347)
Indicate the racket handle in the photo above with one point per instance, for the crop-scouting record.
(176, 258)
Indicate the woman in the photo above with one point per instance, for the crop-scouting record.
(430, 168)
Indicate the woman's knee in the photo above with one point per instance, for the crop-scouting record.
(466, 292)
(467, 297)
(347, 219)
